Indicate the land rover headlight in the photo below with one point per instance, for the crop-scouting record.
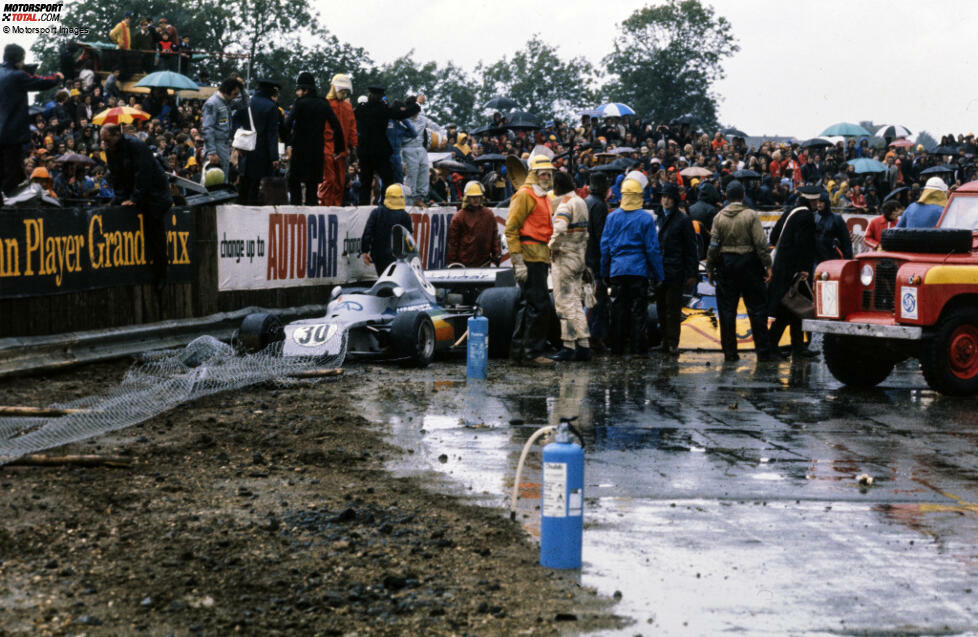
(866, 275)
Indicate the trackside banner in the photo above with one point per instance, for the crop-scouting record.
(287, 246)
(58, 250)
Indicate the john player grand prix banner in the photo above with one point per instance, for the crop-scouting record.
(286, 246)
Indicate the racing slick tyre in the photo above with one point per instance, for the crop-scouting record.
(258, 331)
(499, 306)
(856, 361)
(949, 359)
(928, 240)
(413, 338)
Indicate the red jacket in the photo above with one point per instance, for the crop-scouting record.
(874, 231)
(344, 112)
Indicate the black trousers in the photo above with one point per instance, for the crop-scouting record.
(11, 167)
(248, 191)
(533, 317)
(629, 313)
(154, 225)
(597, 316)
(741, 275)
(368, 166)
(669, 302)
(295, 192)
(785, 319)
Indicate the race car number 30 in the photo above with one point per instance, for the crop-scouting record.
(312, 335)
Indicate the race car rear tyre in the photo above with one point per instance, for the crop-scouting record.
(258, 331)
(856, 361)
(413, 338)
(949, 359)
(499, 306)
(928, 240)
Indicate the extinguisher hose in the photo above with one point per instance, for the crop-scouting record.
(519, 466)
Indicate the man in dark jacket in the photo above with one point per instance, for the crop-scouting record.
(306, 124)
(375, 150)
(597, 214)
(139, 181)
(703, 212)
(680, 263)
(376, 241)
(832, 240)
(15, 130)
(263, 161)
(794, 238)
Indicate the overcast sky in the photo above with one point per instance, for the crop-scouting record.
(801, 66)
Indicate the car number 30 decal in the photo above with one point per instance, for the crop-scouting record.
(313, 335)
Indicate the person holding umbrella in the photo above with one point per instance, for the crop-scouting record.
(15, 131)
(926, 211)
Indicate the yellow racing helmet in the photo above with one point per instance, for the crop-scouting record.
(394, 197)
(474, 189)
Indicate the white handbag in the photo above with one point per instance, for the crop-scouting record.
(245, 139)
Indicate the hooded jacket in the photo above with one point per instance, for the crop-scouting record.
(832, 240)
(926, 211)
(737, 230)
(630, 245)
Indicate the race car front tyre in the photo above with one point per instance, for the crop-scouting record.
(499, 306)
(413, 338)
(258, 331)
(856, 361)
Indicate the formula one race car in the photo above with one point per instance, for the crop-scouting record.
(406, 315)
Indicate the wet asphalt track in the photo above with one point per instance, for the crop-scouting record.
(724, 497)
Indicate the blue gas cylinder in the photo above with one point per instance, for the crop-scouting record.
(477, 352)
(562, 507)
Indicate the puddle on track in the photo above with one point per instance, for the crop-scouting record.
(724, 498)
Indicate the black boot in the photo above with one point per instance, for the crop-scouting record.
(566, 354)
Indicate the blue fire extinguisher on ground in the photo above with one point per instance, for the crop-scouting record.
(477, 347)
(562, 507)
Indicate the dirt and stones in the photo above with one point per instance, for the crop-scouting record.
(264, 511)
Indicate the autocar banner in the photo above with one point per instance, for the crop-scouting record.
(58, 250)
(287, 246)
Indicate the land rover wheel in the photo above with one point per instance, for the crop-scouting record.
(413, 338)
(949, 359)
(856, 361)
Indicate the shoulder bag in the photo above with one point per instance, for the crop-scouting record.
(245, 139)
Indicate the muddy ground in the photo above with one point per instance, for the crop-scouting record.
(263, 511)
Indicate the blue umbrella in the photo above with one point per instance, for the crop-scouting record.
(168, 79)
(866, 165)
(613, 109)
(846, 130)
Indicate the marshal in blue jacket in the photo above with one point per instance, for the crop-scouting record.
(630, 246)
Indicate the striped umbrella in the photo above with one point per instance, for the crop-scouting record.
(613, 109)
(119, 115)
(893, 130)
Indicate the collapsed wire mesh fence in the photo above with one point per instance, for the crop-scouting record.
(156, 384)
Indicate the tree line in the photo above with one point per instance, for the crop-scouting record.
(663, 63)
